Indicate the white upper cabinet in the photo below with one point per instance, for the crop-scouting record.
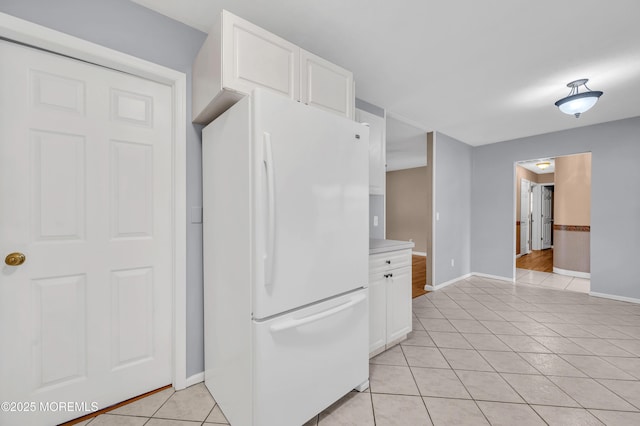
(253, 57)
(377, 150)
(326, 85)
(239, 56)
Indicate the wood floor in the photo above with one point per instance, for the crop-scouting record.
(537, 260)
(418, 276)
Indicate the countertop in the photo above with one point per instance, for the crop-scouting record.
(382, 246)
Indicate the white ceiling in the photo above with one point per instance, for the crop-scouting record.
(531, 165)
(478, 71)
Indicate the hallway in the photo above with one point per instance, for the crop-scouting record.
(536, 260)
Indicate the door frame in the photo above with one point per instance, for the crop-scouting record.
(528, 221)
(544, 185)
(34, 35)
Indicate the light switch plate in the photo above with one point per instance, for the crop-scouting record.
(375, 221)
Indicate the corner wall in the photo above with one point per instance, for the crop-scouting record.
(615, 233)
(452, 208)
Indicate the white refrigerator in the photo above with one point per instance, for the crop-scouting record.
(285, 220)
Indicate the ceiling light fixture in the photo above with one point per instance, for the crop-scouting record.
(576, 103)
(543, 165)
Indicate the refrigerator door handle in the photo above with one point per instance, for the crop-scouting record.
(271, 210)
(294, 323)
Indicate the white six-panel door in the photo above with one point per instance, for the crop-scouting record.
(525, 208)
(85, 195)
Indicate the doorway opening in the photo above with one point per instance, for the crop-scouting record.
(552, 222)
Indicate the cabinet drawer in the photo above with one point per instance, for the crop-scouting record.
(388, 261)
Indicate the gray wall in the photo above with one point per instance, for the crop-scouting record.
(376, 208)
(376, 202)
(130, 28)
(366, 106)
(452, 164)
(615, 206)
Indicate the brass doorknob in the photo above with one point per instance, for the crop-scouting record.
(15, 259)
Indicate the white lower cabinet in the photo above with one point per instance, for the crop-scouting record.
(389, 299)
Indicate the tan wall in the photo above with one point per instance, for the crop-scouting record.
(522, 173)
(573, 190)
(407, 206)
(572, 208)
(547, 178)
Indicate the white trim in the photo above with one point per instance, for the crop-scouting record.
(195, 379)
(576, 274)
(465, 276)
(516, 200)
(419, 253)
(35, 35)
(434, 210)
(446, 283)
(493, 277)
(614, 297)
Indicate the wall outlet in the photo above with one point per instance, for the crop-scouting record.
(453, 262)
(375, 221)
(437, 215)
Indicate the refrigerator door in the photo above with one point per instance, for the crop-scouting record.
(307, 359)
(311, 206)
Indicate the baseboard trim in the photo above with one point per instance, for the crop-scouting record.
(195, 379)
(493, 277)
(518, 256)
(446, 283)
(419, 253)
(569, 273)
(614, 297)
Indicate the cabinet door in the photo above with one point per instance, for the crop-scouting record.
(398, 304)
(377, 312)
(253, 57)
(377, 157)
(326, 85)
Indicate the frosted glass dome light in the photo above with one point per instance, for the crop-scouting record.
(577, 103)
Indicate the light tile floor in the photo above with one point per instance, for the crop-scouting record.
(483, 352)
(551, 280)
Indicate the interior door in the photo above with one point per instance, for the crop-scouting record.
(525, 210)
(312, 231)
(85, 160)
(536, 217)
(547, 217)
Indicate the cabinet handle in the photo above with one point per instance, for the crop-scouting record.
(388, 262)
(388, 275)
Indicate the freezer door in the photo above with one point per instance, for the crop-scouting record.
(308, 359)
(311, 200)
